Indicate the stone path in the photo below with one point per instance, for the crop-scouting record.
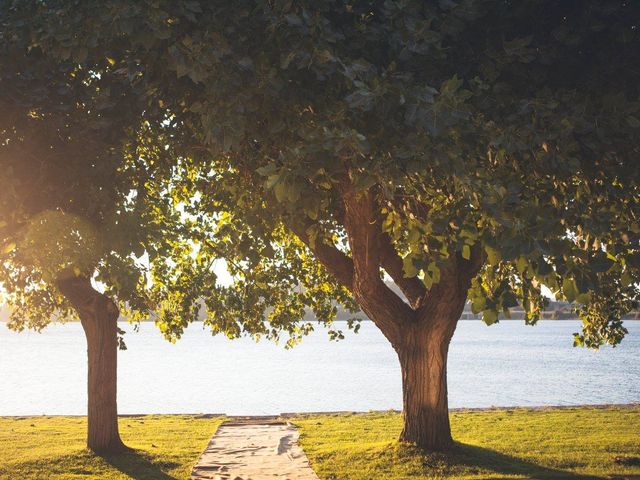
(255, 449)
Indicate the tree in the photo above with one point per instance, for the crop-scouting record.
(472, 149)
(74, 221)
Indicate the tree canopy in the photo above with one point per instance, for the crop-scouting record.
(513, 126)
(81, 190)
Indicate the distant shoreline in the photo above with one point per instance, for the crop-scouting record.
(462, 319)
(538, 408)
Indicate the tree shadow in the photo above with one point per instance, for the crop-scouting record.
(483, 459)
(139, 465)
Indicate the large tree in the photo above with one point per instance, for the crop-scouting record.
(472, 149)
(78, 230)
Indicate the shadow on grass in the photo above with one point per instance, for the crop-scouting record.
(140, 466)
(483, 460)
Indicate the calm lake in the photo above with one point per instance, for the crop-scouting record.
(508, 364)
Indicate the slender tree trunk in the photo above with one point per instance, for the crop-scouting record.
(423, 360)
(102, 349)
(98, 315)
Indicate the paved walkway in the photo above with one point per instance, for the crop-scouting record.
(254, 450)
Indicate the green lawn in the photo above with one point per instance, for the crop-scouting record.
(542, 444)
(52, 448)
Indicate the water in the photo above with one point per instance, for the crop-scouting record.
(508, 364)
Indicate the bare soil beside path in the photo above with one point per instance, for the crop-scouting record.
(254, 449)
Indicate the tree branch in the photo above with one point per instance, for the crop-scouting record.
(446, 299)
(335, 261)
(388, 311)
(84, 298)
(412, 287)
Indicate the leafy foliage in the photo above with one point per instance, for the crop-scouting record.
(80, 187)
(480, 129)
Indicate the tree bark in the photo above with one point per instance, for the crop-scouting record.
(423, 352)
(98, 315)
(423, 361)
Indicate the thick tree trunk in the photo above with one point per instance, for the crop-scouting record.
(419, 330)
(98, 315)
(423, 360)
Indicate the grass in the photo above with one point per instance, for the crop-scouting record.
(588, 443)
(164, 448)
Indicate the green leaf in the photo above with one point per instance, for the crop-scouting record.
(569, 289)
(633, 122)
(365, 182)
(601, 264)
(521, 265)
(478, 304)
(408, 267)
(413, 237)
(312, 212)
(139, 250)
(489, 316)
(450, 86)
(493, 255)
(267, 170)
(466, 252)
(272, 180)
(280, 190)
(584, 298)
